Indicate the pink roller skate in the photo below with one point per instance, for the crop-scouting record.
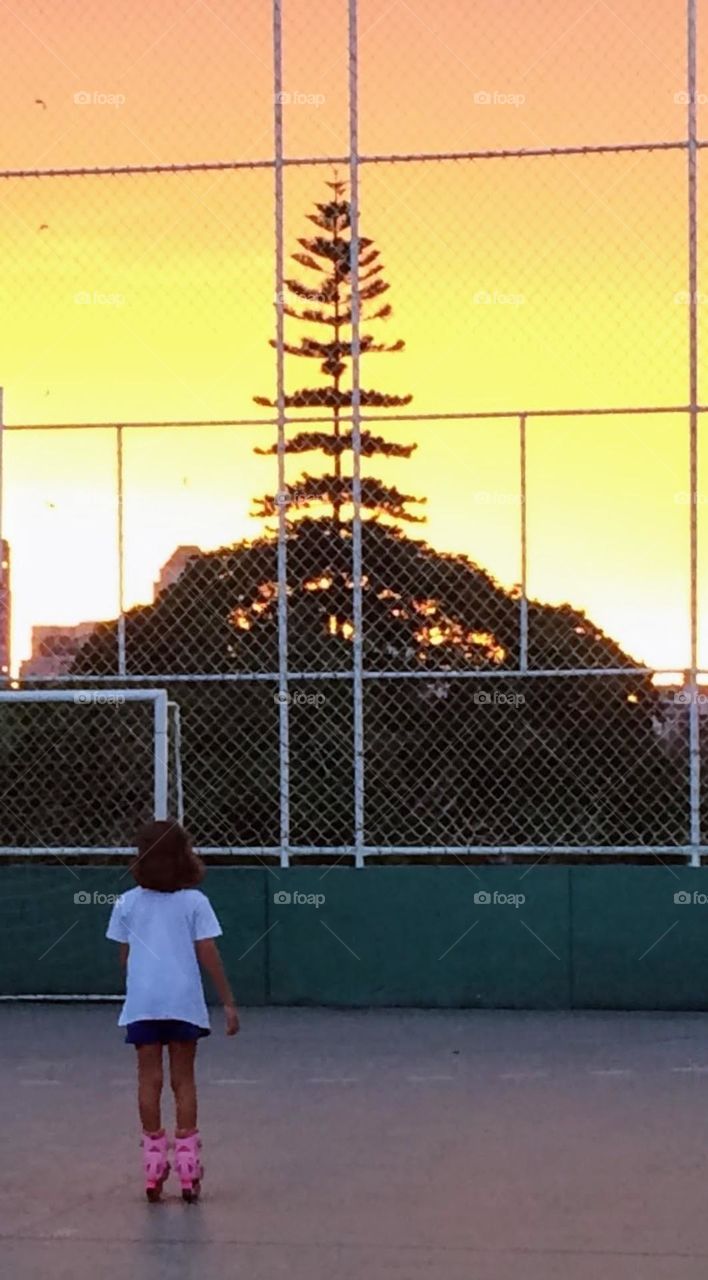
(155, 1163)
(189, 1166)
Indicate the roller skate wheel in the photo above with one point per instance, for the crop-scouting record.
(154, 1191)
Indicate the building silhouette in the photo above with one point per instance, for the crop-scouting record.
(56, 645)
(173, 567)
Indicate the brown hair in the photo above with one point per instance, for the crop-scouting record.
(165, 860)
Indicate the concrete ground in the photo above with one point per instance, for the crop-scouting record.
(383, 1145)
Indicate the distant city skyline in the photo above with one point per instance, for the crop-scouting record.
(55, 644)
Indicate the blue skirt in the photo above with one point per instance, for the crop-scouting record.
(162, 1030)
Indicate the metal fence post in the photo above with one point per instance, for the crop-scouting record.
(358, 638)
(523, 529)
(174, 707)
(693, 710)
(161, 753)
(282, 696)
(120, 550)
(3, 584)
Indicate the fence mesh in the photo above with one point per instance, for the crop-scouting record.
(76, 773)
(352, 396)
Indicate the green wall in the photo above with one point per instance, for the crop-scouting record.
(583, 937)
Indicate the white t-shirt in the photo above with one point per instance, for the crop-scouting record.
(164, 979)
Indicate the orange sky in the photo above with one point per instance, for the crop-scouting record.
(151, 297)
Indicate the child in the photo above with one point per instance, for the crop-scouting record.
(166, 928)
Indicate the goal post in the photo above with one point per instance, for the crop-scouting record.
(54, 759)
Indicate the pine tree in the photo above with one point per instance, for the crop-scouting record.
(329, 254)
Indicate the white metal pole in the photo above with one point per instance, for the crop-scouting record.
(161, 753)
(177, 748)
(120, 550)
(82, 697)
(282, 695)
(523, 602)
(357, 568)
(693, 716)
(4, 579)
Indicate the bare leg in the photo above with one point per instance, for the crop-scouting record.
(182, 1054)
(150, 1086)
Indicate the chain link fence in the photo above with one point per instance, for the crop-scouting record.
(352, 398)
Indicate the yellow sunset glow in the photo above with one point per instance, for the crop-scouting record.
(518, 285)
